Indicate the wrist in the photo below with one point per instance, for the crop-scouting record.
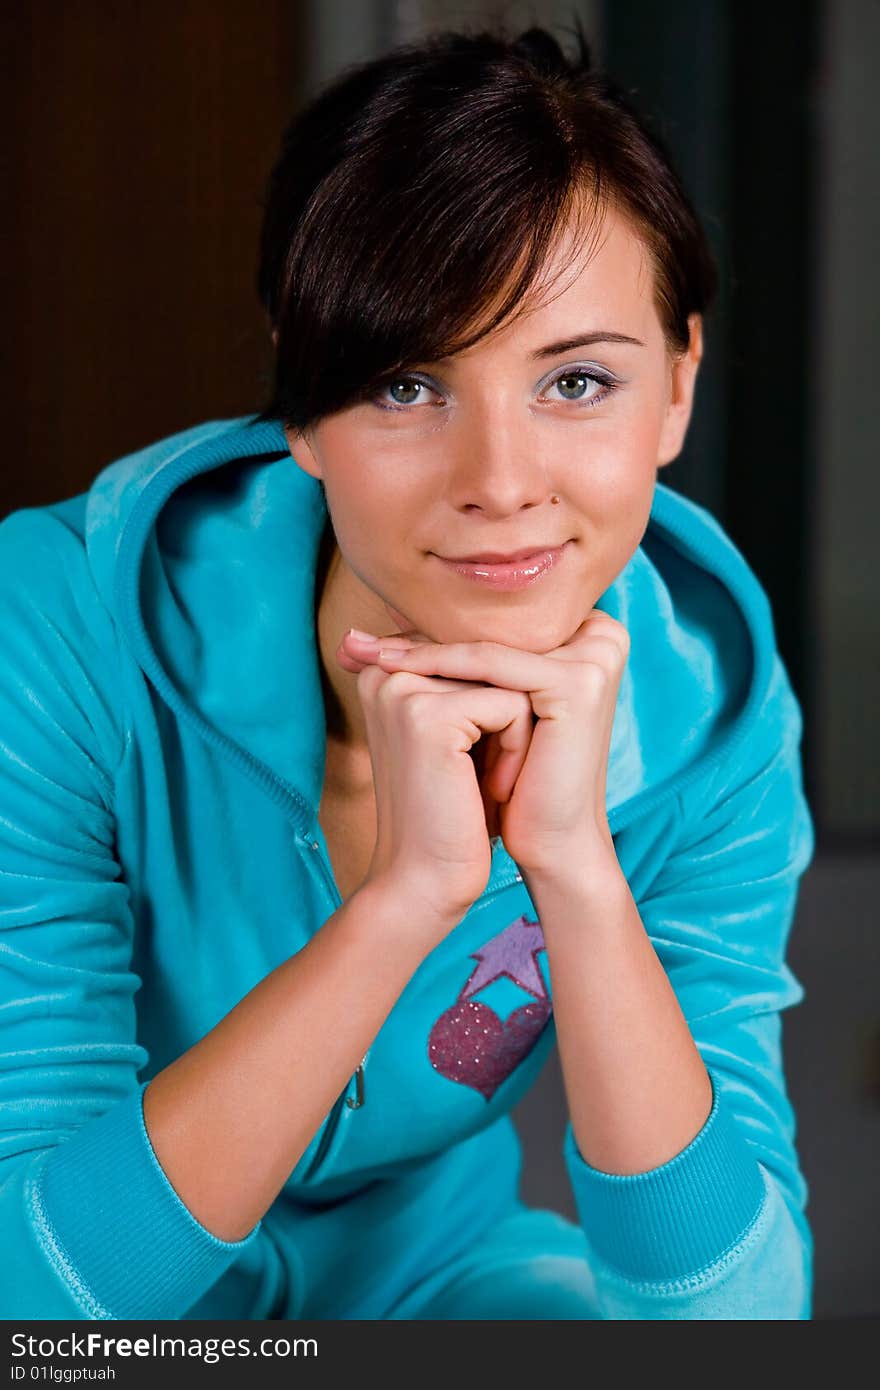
(588, 870)
(406, 912)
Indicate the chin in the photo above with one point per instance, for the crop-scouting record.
(399, 618)
(538, 637)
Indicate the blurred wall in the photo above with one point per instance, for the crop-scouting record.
(343, 32)
(144, 135)
(844, 583)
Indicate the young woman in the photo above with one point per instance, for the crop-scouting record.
(356, 753)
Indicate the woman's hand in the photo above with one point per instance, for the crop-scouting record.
(550, 788)
(431, 818)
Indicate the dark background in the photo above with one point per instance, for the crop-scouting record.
(142, 137)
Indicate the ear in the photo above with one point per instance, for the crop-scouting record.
(681, 395)
(302, 453)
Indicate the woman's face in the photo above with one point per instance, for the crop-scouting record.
(462, 457)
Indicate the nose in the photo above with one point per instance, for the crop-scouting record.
(498, 467)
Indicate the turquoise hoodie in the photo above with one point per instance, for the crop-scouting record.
(162, 737)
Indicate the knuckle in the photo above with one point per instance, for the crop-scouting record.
(594, 677)
(415, 706)
(609, 649)
(618, 634)
(609, 644)
(605, 620)
(392, 685)
(368, 681)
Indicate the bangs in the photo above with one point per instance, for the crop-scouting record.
(458, 262)
(418, 201)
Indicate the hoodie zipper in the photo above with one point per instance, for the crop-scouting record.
(332, 1122)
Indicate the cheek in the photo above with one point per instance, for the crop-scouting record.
(360, 506)
(375, 520)
(614, 491)
(616, 484)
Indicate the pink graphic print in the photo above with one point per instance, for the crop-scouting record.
(469, 1043)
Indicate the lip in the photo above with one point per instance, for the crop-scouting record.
(508, 574)
(497, 557)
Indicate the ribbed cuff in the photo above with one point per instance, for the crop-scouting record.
(675, 1220)
(115, 1227)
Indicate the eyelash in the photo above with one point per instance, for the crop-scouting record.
(608, 383)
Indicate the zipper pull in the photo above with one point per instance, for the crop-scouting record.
(359, 1085)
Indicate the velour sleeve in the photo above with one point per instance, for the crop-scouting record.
(90, 1226)
(720, 1230)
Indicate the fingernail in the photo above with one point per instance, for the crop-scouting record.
(362, 636)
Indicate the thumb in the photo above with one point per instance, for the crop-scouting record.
(399, 636)
(353, 655)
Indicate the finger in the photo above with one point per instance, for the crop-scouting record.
(504, 667)
(481, 755)
(547, 679)
(490, 754)
(368, 685)
(490, 809)
(442, 684)
(357, 649)
(473, 708)
(368, 642)
(599, 637)
(354, 654)
(513, 747)
(502, 759)
(479, 710)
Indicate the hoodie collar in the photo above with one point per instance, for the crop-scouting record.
(204, 547)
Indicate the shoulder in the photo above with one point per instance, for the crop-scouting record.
(44, 569)
(46, 541)
(718, 610)
(60, 651)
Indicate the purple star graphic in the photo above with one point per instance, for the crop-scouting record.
(512, 953)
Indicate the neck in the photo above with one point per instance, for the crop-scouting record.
(343, 601)
(328, 558)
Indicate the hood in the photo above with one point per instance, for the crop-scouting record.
(204, 547)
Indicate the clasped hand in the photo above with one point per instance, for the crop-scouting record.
(544, 774)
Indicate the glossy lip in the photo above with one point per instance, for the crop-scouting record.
(499, 557)
(511, 574)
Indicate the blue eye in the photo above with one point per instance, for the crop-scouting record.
(579, 376)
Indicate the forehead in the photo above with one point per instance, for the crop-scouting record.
(597, 274)
(605, 256)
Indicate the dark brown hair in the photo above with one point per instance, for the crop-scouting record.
(417, 188)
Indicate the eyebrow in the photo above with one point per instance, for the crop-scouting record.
(600, 335)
